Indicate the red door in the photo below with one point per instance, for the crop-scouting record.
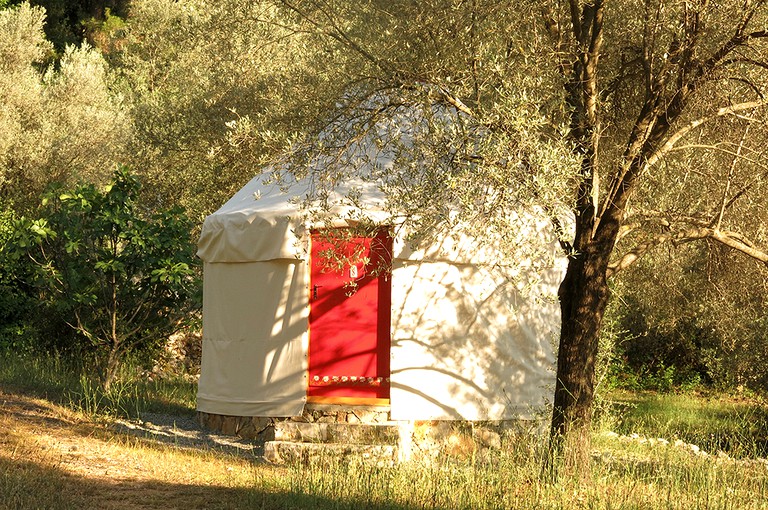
(349, 316)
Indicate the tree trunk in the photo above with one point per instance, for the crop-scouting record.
(583, 298)
(111, 366)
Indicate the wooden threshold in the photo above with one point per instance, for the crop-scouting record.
(348, 401)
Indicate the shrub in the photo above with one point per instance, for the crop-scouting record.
(122, 280)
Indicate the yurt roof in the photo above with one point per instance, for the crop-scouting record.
(267, 219)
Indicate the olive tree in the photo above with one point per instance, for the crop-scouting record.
(659, 104)
(216, 88)
(70, 22)
(695, 311)
(59, 123)
(674, 69)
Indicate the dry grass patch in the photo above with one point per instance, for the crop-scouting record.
(51, 457)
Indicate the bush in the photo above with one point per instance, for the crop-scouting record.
(123, 281)
(695, 318)
(16, 302)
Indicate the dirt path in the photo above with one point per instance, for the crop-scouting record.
(161, 461)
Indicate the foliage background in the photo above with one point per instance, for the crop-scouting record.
(197, 96)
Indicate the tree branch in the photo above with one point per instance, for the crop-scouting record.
(680, 133)
(336, 33)
(659, 111)
(582, 97)
(733, 240)
(642, 249)
(738, 242)
(724, 202)
(455, 101)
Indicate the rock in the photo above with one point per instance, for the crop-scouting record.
(488, 438)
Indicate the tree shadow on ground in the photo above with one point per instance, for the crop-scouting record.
(152, 429)
(28, 484)
(185, 433)
(41, 439)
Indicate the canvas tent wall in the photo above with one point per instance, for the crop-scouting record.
(467, 343)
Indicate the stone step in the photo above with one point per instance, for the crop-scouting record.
(345, 414)
(288, 452)
(342, 433)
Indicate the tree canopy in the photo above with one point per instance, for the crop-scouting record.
(58, 123)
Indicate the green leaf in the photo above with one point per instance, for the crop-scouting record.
(96, 253)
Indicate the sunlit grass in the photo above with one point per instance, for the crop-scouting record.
(737, 426)
(631, 470)
(624, 475)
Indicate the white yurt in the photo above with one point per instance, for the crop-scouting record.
(439, 334)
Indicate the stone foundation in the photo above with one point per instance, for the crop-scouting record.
(246, 427)
(260, 428)
(369, 426)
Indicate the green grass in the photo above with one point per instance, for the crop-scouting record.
(622, 478)
(68, 382)
(736, 426)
